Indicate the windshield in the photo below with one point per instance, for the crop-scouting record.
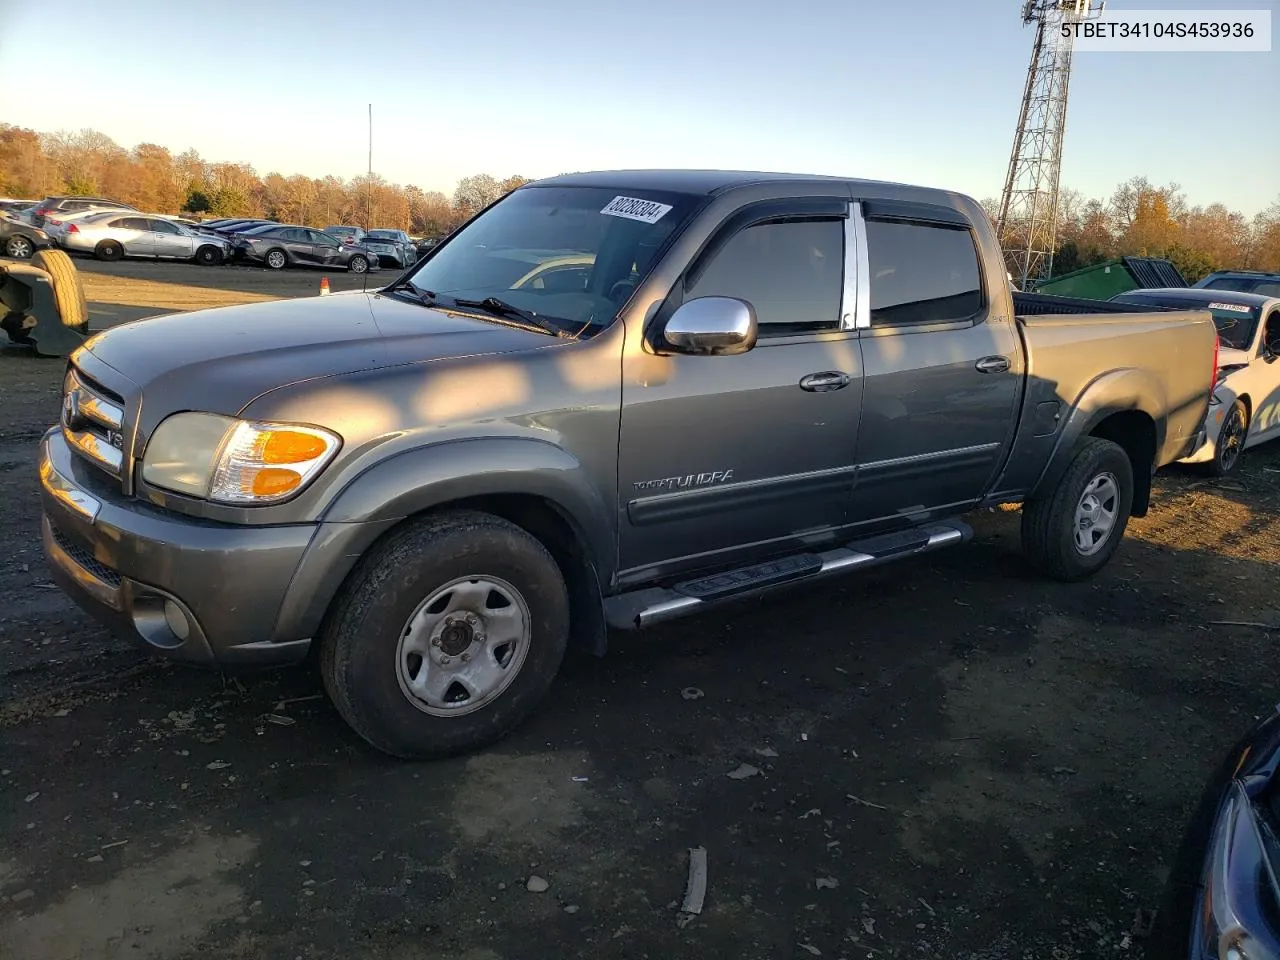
(1236, 322)
(568, 253)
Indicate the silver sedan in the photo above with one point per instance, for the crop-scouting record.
(111, 236)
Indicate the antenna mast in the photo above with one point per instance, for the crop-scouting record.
(1028, 222)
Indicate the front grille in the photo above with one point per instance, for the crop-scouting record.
(85, 557)
(92, 421)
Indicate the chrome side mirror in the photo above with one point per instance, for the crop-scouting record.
(712, 326)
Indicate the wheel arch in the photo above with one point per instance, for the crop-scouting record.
(1120, 406)
(545, 493)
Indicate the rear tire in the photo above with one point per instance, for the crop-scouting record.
(1072, 531)
(1227, 451)
(68, 291)
(358, 264)
(388, 660)
(276, 259)
(109, 250)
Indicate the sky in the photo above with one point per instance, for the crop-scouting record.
(923, 92)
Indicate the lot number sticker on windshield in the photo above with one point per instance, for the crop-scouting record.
(1238, 308)
(633, 208)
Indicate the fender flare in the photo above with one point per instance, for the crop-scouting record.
(1116, 391)
(435, 474)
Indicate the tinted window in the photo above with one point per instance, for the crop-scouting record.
(131, 223)
(792, 273)
(164, 226)
(921, 273)
(1267, 288)
(1239, 284)
(322, 238)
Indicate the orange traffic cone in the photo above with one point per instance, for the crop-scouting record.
(324, 286)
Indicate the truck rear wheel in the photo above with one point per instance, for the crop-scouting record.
(1074, 529)
(446, 636)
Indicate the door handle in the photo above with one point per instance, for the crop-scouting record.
(823, 382)
(992, 364)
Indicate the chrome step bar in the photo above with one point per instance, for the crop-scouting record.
(646, 607)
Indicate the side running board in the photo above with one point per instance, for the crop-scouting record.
(643, 608)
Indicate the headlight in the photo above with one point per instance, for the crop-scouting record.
(1232, 918)
(235, 461)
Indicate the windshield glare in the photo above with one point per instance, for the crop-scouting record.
(568, 253)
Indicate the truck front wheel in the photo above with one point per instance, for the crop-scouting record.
(446, 636)
(1073, 530)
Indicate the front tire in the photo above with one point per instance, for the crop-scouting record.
(446, 636)
(208, 256)
(18, 247)
(1072, 531)
(1230, 444)
(358, 264)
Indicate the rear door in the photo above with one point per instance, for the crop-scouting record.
(302, 249)
(135, 235)
(170, 241)
(724, 458)
(943, 368)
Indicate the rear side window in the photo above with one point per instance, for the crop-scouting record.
(132, 223)
(922, 273)
(1238, 284)
(792, 272)
(1267, 288)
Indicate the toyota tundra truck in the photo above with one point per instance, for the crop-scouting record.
(607, 400)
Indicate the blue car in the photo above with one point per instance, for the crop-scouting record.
(1223, 897)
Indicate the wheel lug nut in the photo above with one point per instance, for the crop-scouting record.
(446, 660)
(466, 658)
(435, 642)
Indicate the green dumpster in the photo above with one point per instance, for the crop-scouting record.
(1102, 281)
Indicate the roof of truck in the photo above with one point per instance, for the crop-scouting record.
(686, 181)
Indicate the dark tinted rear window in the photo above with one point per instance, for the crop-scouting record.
(922, 273)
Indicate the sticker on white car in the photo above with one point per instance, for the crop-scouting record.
(1229, 306)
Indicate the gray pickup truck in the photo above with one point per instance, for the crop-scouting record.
(608, 400)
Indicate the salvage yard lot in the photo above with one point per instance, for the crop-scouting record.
(988, 765)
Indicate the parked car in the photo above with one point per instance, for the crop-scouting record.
(13, 207)
(111, 236)
(58, 206)
(283, 245)
(19, 239)
(1222, 898)
(425, 243)
(1245, 281)
(444, 482)
(1248, 389)
(230, 228)
(391, 246)
(345, 234)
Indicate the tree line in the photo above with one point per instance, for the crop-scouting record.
(35, 165)
(1143, 220)
(1138, 219)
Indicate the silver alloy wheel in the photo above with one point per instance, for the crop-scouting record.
(18, 247)
(463, 646)
(275, 259)
(1231, 439)
(1096, 514)
(359, 264)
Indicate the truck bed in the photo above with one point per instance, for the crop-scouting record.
(1046, 304)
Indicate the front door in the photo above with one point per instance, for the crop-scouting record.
(325, 247)
(725, 458)
(942, 365)
(170, 241)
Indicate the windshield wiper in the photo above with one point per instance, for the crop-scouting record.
(425, 297)
(503, 309)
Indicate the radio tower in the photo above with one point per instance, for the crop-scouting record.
(1028, 223)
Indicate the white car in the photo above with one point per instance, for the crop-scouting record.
(111, 236)
(1245, 408)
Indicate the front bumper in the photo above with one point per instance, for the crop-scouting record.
(188, 589)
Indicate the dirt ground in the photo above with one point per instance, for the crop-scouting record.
(955, 759)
